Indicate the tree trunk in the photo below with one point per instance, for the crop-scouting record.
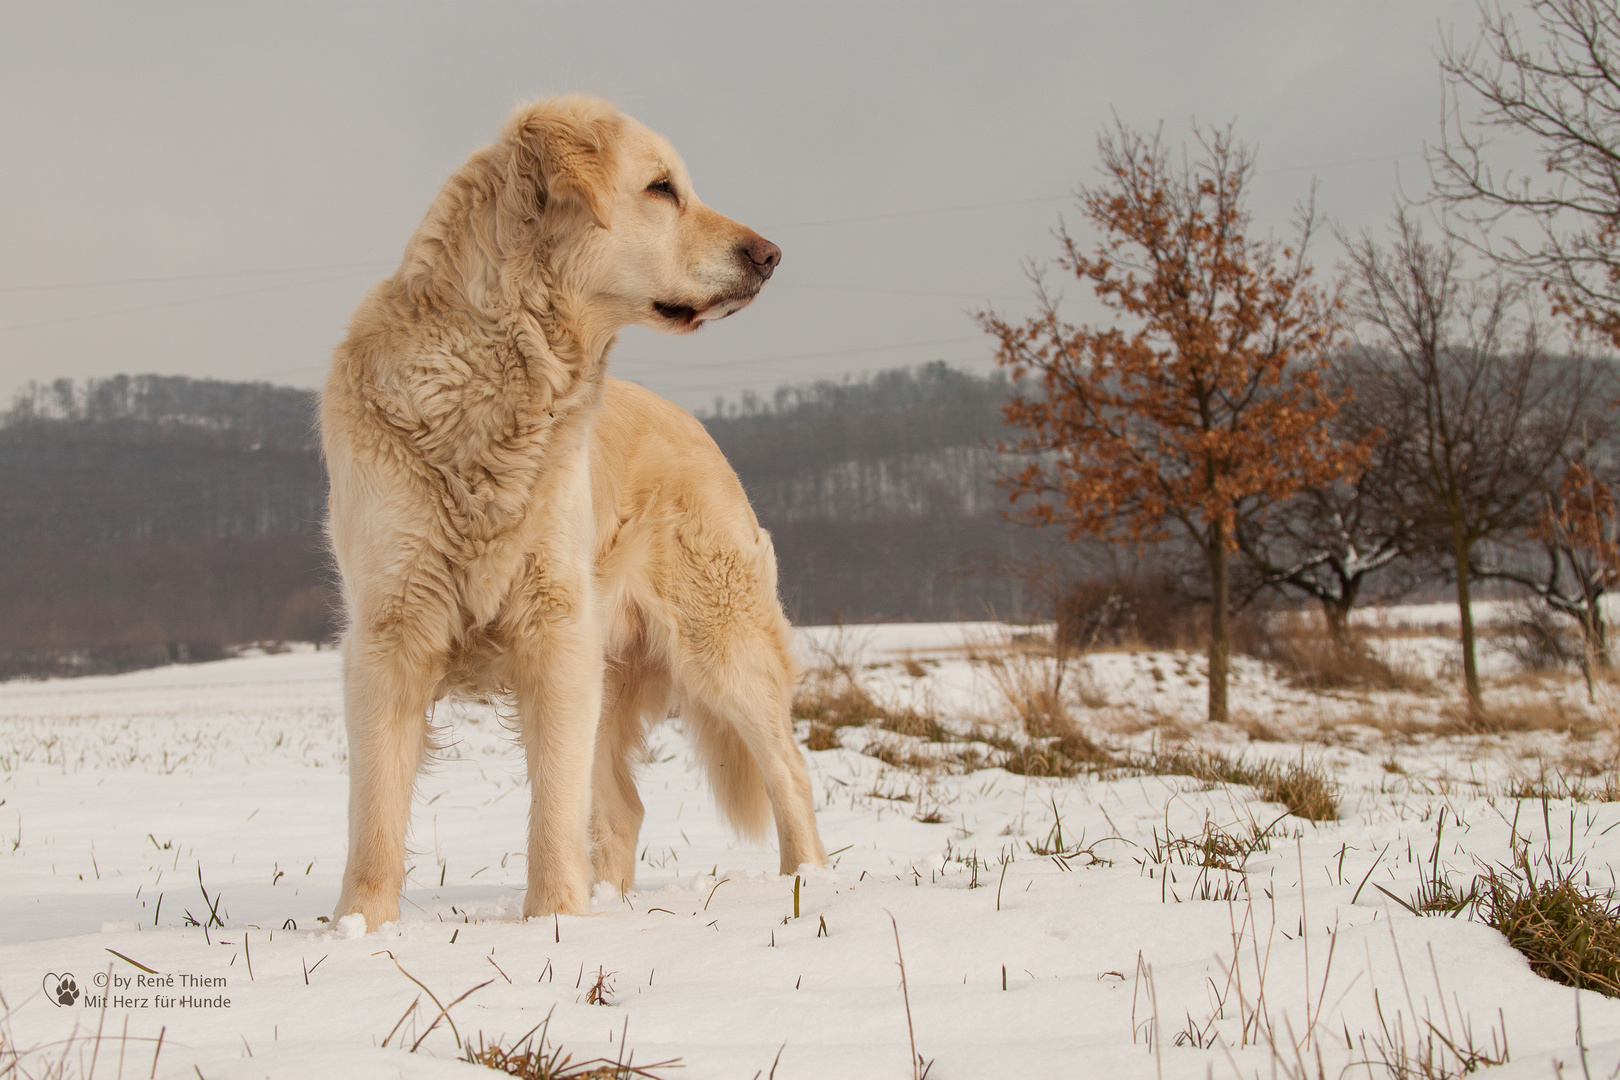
(1337, 615)
(1465, 611)
(1592, 626)
(1594, 649)
(1219, 646)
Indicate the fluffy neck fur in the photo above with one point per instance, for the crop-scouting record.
(487, 256)
(505, 366)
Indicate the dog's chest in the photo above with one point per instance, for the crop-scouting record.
(509, 488)
(485, 442)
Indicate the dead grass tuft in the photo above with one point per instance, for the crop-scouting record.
(1257, 729)
(1398, 721)
(1306, 790)
(1065, 755)
(1542, 713)
(1030, 677)
(1299, 646)
(1569, 934)
(821, 700)
(527, 1061)
(927, 757)
(1559, 786)
(822, 737)
(831, 696)
(916, 724)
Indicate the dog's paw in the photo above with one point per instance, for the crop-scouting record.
(372, 907)
(541, 902)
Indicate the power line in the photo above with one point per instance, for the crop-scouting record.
(886, 216)
(889, 291)
(915, 213)
(189, 277)
(965, 207)
(176, 303)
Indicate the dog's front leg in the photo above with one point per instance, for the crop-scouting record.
(554, 667)
(387, 695)
(559, 694)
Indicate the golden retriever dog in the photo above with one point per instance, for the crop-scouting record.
(508, 520)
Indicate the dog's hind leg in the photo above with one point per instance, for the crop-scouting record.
(386, 702)
(739, 716)
(635, 697)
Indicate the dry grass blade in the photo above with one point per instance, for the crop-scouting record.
(919, 1068)
(444, 1010)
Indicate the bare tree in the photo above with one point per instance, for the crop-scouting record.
(1563, 93)
(1578, 539)
(1327, 542)
(1493, 417)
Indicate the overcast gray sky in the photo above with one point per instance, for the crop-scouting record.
(209, 188)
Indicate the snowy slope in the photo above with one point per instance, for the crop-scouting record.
(118, 793)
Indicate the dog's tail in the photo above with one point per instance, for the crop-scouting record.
(739, 786)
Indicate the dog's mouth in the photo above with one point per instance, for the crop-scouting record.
(684, 316)
(688, 317)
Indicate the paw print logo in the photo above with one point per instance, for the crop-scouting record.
(61, 989)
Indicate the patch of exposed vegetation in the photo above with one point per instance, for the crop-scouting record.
(1569, 933)
(1306, 790)
(524, 1059)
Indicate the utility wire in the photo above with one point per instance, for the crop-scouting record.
(965, 207)
(189, 277)
(178, 303)
(887, 216)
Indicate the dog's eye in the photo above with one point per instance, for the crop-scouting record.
(663, 187)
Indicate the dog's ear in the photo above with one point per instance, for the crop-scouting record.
(568, 148)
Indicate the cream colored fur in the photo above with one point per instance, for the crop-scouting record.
(509, 520)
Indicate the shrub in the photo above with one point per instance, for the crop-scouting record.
(1124, 609)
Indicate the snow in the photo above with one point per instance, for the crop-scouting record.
(133, 805)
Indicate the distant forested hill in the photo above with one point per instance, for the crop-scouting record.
(153, 517)
(879, 494)
(149, 518)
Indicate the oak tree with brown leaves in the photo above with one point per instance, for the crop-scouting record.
(1202, 404)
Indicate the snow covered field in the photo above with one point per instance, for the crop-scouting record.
(1140, 926)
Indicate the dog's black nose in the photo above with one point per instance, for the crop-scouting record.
(763, 256)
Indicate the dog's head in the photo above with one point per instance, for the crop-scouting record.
(580, 199)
